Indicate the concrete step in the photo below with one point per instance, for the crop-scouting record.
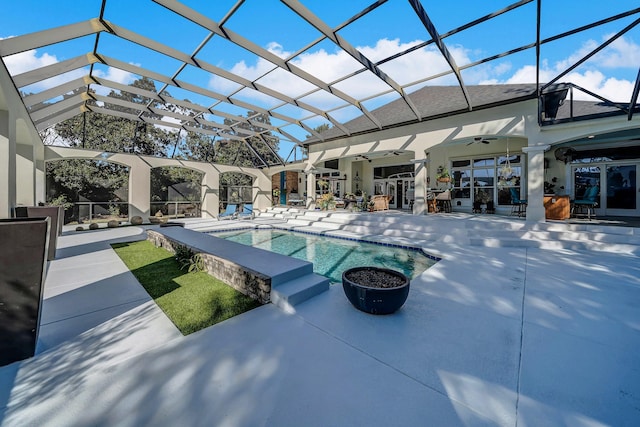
(558, 235)
(289, 294)
(616, 248)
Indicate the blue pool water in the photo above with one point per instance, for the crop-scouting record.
(331, 256)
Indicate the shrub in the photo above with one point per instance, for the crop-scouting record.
(187, 259)
(79, 228)
(113, 223)
(93, 226)
(136, 220)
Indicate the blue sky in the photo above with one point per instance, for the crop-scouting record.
(390, 28)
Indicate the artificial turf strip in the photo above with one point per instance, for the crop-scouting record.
(192, 301)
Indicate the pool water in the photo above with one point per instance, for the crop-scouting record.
(332, 256)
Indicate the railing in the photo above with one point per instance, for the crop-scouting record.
(96, 211)
(177, 209)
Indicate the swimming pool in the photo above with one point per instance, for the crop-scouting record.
(331, 256)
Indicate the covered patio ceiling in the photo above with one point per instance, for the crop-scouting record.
(306, 65)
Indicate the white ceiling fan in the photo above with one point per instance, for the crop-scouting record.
(481, 140)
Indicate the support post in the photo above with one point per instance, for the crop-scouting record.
(535, 182)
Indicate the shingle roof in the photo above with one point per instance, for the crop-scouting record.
(433, 102)
(438, 101)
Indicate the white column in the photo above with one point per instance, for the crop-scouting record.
(535, 182)
(210, 194)
(140, 189)
(7, 166)
(310, 203)
(26, 176)
(420, 197)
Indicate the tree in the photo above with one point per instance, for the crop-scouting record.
(93, 130)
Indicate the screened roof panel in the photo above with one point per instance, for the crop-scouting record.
(293, 111)
(326, 61)
(337, 14)
(286, 83)
(445, 21)
(355, 66)
(178, 32)
(391, 22)
(249, 22)
(417, 65)
(361, 85)
(323, 100)
(494, 36)
(239, 60)
(132, 53)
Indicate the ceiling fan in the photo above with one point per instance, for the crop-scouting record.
(481, 140)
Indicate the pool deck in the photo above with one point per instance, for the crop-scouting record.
(507, 336)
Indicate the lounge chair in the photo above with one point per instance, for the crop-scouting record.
(247, 211)
(229, 213)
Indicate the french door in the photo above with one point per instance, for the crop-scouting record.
(618, 186)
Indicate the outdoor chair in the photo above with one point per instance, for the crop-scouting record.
(295, 199)
(247, 211)
(518, 205)
(586, 205)
(229, 213)
(444, 201)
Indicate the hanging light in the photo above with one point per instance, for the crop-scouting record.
(506, 171)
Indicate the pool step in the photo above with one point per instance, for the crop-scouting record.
(289, 294)
(497, 232)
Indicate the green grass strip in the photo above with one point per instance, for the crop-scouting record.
(192, 301)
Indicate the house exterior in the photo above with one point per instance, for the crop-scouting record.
(503, 145)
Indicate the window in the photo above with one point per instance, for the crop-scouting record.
(487, 178)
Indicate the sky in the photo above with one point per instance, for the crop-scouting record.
(390, 28)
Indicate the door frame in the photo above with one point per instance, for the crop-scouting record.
(602, 208)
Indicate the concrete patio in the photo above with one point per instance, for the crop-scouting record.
(489, 336)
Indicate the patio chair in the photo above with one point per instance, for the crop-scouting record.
(443, 201)
(230, 212)
(586, 205)
(247, 211)
(295, 199)
(518, 205)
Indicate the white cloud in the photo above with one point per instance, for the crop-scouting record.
(31, 60)
(621, 54)
(115, 75)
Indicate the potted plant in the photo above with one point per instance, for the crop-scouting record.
(375, 290)
(327, 201)
(442, 174)
(323, 184)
